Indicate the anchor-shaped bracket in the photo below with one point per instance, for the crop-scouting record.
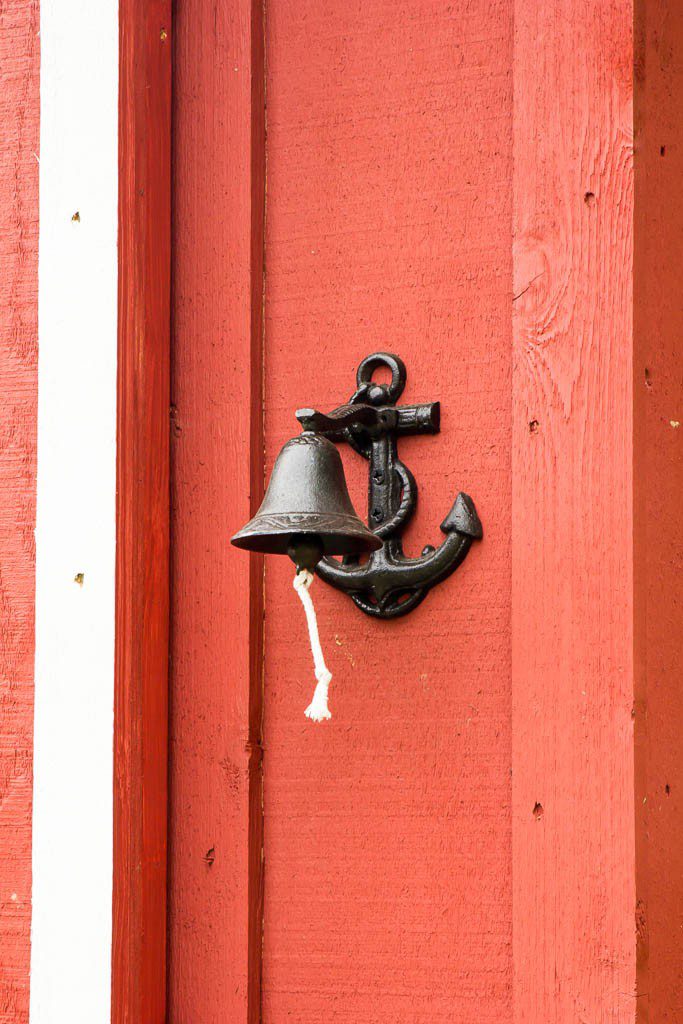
(390, 584)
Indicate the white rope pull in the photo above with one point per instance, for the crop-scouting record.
(317, 709)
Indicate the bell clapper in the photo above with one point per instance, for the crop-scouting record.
(303, 551)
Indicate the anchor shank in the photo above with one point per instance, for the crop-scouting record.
(382, 490)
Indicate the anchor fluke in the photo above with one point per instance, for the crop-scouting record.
(463, 518)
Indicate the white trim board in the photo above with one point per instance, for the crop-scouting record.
(76, 517)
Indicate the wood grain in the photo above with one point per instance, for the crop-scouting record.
(387, 830)
(19, 143)
(465, 194)
(658, 490)
(142, 524)
(217, 469)
(572, 517)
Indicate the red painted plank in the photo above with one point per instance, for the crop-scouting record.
(19, 144)
(387, 838)
(658, 491)
(217, 469)
(142, 539)
(572, 520)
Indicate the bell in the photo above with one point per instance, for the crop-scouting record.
(307, 512)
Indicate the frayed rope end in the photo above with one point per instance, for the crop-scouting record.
(318, 710)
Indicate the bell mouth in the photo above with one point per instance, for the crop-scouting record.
(339, 534)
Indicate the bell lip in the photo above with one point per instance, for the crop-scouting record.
(347, 536)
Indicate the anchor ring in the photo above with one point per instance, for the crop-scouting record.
(398, 373)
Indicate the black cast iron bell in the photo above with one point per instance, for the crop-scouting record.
(307, 512)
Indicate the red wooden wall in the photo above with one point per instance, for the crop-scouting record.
(142, 514)
(572, 519)
(387, 831)
(387, 834)
(217, 461)
(487, 829)
(19, 145)
(658, 524)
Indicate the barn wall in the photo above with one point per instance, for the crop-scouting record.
(572, 518)
(455, 181)
(215, 829)
(658, 489)
(388, 226)
(19, 144)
